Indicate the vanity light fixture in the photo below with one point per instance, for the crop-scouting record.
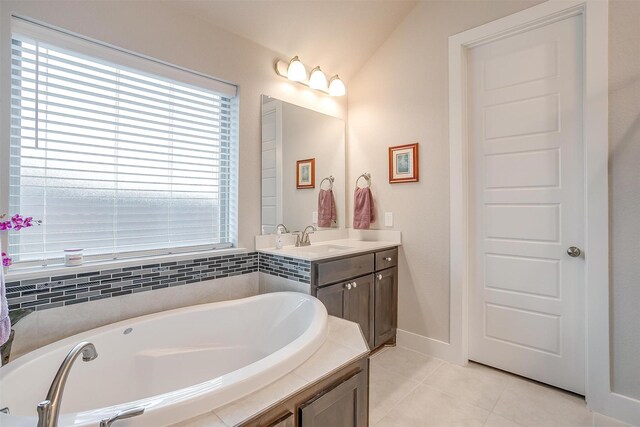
(336, 86)
(317, 79)
(295, 71)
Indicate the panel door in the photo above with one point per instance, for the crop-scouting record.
(342, 406)
(333, 299)
(385, 305)
(526, 297)
(358, 304)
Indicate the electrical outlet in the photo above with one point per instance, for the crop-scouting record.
(388, 219)
(314, 217)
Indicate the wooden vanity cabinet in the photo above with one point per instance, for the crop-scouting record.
(351, 300)
(361, 288)
(385, 313)
(341, 400)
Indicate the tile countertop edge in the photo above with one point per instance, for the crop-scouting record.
(337, 329)
(359, 246)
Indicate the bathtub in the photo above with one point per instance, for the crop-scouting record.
(176, 364)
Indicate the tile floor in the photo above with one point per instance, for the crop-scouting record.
(409, 389)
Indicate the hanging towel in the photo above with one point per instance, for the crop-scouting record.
(363, 213)
(326, 208)
(5, 323)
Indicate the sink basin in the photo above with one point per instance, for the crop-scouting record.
(322, 249)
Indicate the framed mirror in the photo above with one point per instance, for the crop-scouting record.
(303, 152)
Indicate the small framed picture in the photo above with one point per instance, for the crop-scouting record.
(306, 173)
(403, 163)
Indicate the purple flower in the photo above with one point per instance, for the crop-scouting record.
(6, 261)
(5, 225)
(18, 222)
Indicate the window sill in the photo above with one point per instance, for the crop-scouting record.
(60, 270)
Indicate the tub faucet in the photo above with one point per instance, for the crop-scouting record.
(49, 409)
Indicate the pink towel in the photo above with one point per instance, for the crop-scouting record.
(363, 212)
(5, 323)
(326, 208)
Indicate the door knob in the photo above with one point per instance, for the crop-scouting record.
(388, 259)
(348, 286)
(355, 285)
(574, 251)
(379, 276)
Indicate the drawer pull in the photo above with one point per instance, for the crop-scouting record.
(348, 286)
(387, 258)
(379, 276)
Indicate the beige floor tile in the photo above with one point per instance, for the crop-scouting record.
(386, 389)
(407, 363)
(600, 420)
(535, 405)
(427, 407)
(474, 384)
(495, 420)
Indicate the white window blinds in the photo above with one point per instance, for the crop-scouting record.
(114, 160)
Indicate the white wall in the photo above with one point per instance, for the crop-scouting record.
(624, 187)
(155, 30)
(401, 97)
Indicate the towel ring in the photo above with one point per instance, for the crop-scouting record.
(330, 179)
(367, 177)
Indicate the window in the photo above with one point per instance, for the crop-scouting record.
(113, 158)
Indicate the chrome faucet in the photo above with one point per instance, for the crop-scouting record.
(304, 240)
(49, 409)
(282, 227)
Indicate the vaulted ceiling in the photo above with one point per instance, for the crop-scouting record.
(337, 35)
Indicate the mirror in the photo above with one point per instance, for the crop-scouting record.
(300, 148)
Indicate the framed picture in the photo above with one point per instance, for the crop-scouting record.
(306, 173)
(403, 163)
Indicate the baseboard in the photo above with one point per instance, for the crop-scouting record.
(621, 407)
(428, 346)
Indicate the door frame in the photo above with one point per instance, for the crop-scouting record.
(596, 147)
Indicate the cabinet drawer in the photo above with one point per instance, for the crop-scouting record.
(386, 259)
(343, 269)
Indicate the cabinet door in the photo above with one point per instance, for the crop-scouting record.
(342, 406)
(358, 304)
(386, 305)
(333, 299)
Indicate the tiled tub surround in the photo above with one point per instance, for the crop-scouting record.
(52, 292)
(286, 267)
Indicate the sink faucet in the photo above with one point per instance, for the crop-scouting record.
(304, 241)
(282, 227)
(49, 409)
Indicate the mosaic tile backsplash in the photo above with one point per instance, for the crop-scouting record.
(286, 267)
(58, 291)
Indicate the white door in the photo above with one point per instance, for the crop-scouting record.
(526, 296)
(271, 166)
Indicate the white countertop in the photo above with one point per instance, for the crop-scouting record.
(330, 249)
(344, 345)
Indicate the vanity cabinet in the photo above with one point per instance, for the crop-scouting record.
(361, 288)
(340, 400)
(351, 300)
(344, 405)
(385, 314)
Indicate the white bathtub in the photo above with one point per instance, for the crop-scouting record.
(177, 364)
